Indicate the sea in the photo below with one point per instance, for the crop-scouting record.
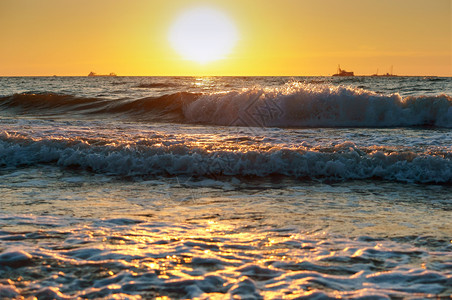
(225, 187)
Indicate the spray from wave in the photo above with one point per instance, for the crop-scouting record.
(301, 105)
(293, 105)
(145, 157)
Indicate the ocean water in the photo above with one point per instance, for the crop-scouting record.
(225, 187)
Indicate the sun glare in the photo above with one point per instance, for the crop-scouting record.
(203, 35)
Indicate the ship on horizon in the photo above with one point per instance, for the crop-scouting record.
(385, 75)
(93, 74)
(341, 72)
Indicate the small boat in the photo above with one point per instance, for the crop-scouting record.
(341, 72)
(91, 74)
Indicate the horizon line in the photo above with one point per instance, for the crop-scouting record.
(54, 75)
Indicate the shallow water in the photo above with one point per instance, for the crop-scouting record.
(92, 236)
(82, 235)
(102, 199)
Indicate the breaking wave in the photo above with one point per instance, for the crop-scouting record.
(301, 105)
(294, 105)
(144, 158)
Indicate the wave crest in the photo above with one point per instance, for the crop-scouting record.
(294, 105)
(146, 158)
(163, 108)
(306, 105)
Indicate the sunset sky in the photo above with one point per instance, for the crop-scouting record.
(285, 37)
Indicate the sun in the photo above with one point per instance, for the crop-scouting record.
(203, 35)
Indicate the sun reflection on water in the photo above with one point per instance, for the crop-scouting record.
(215, 258)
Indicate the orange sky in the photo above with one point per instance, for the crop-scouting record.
(284, 37)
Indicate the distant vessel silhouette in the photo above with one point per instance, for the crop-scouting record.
(385, 75)
(100, 75)
(341, 72)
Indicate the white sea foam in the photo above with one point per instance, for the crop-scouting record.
(309, 105)
(339, 162)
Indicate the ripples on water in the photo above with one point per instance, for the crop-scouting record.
(116, 188)
(183, 238)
